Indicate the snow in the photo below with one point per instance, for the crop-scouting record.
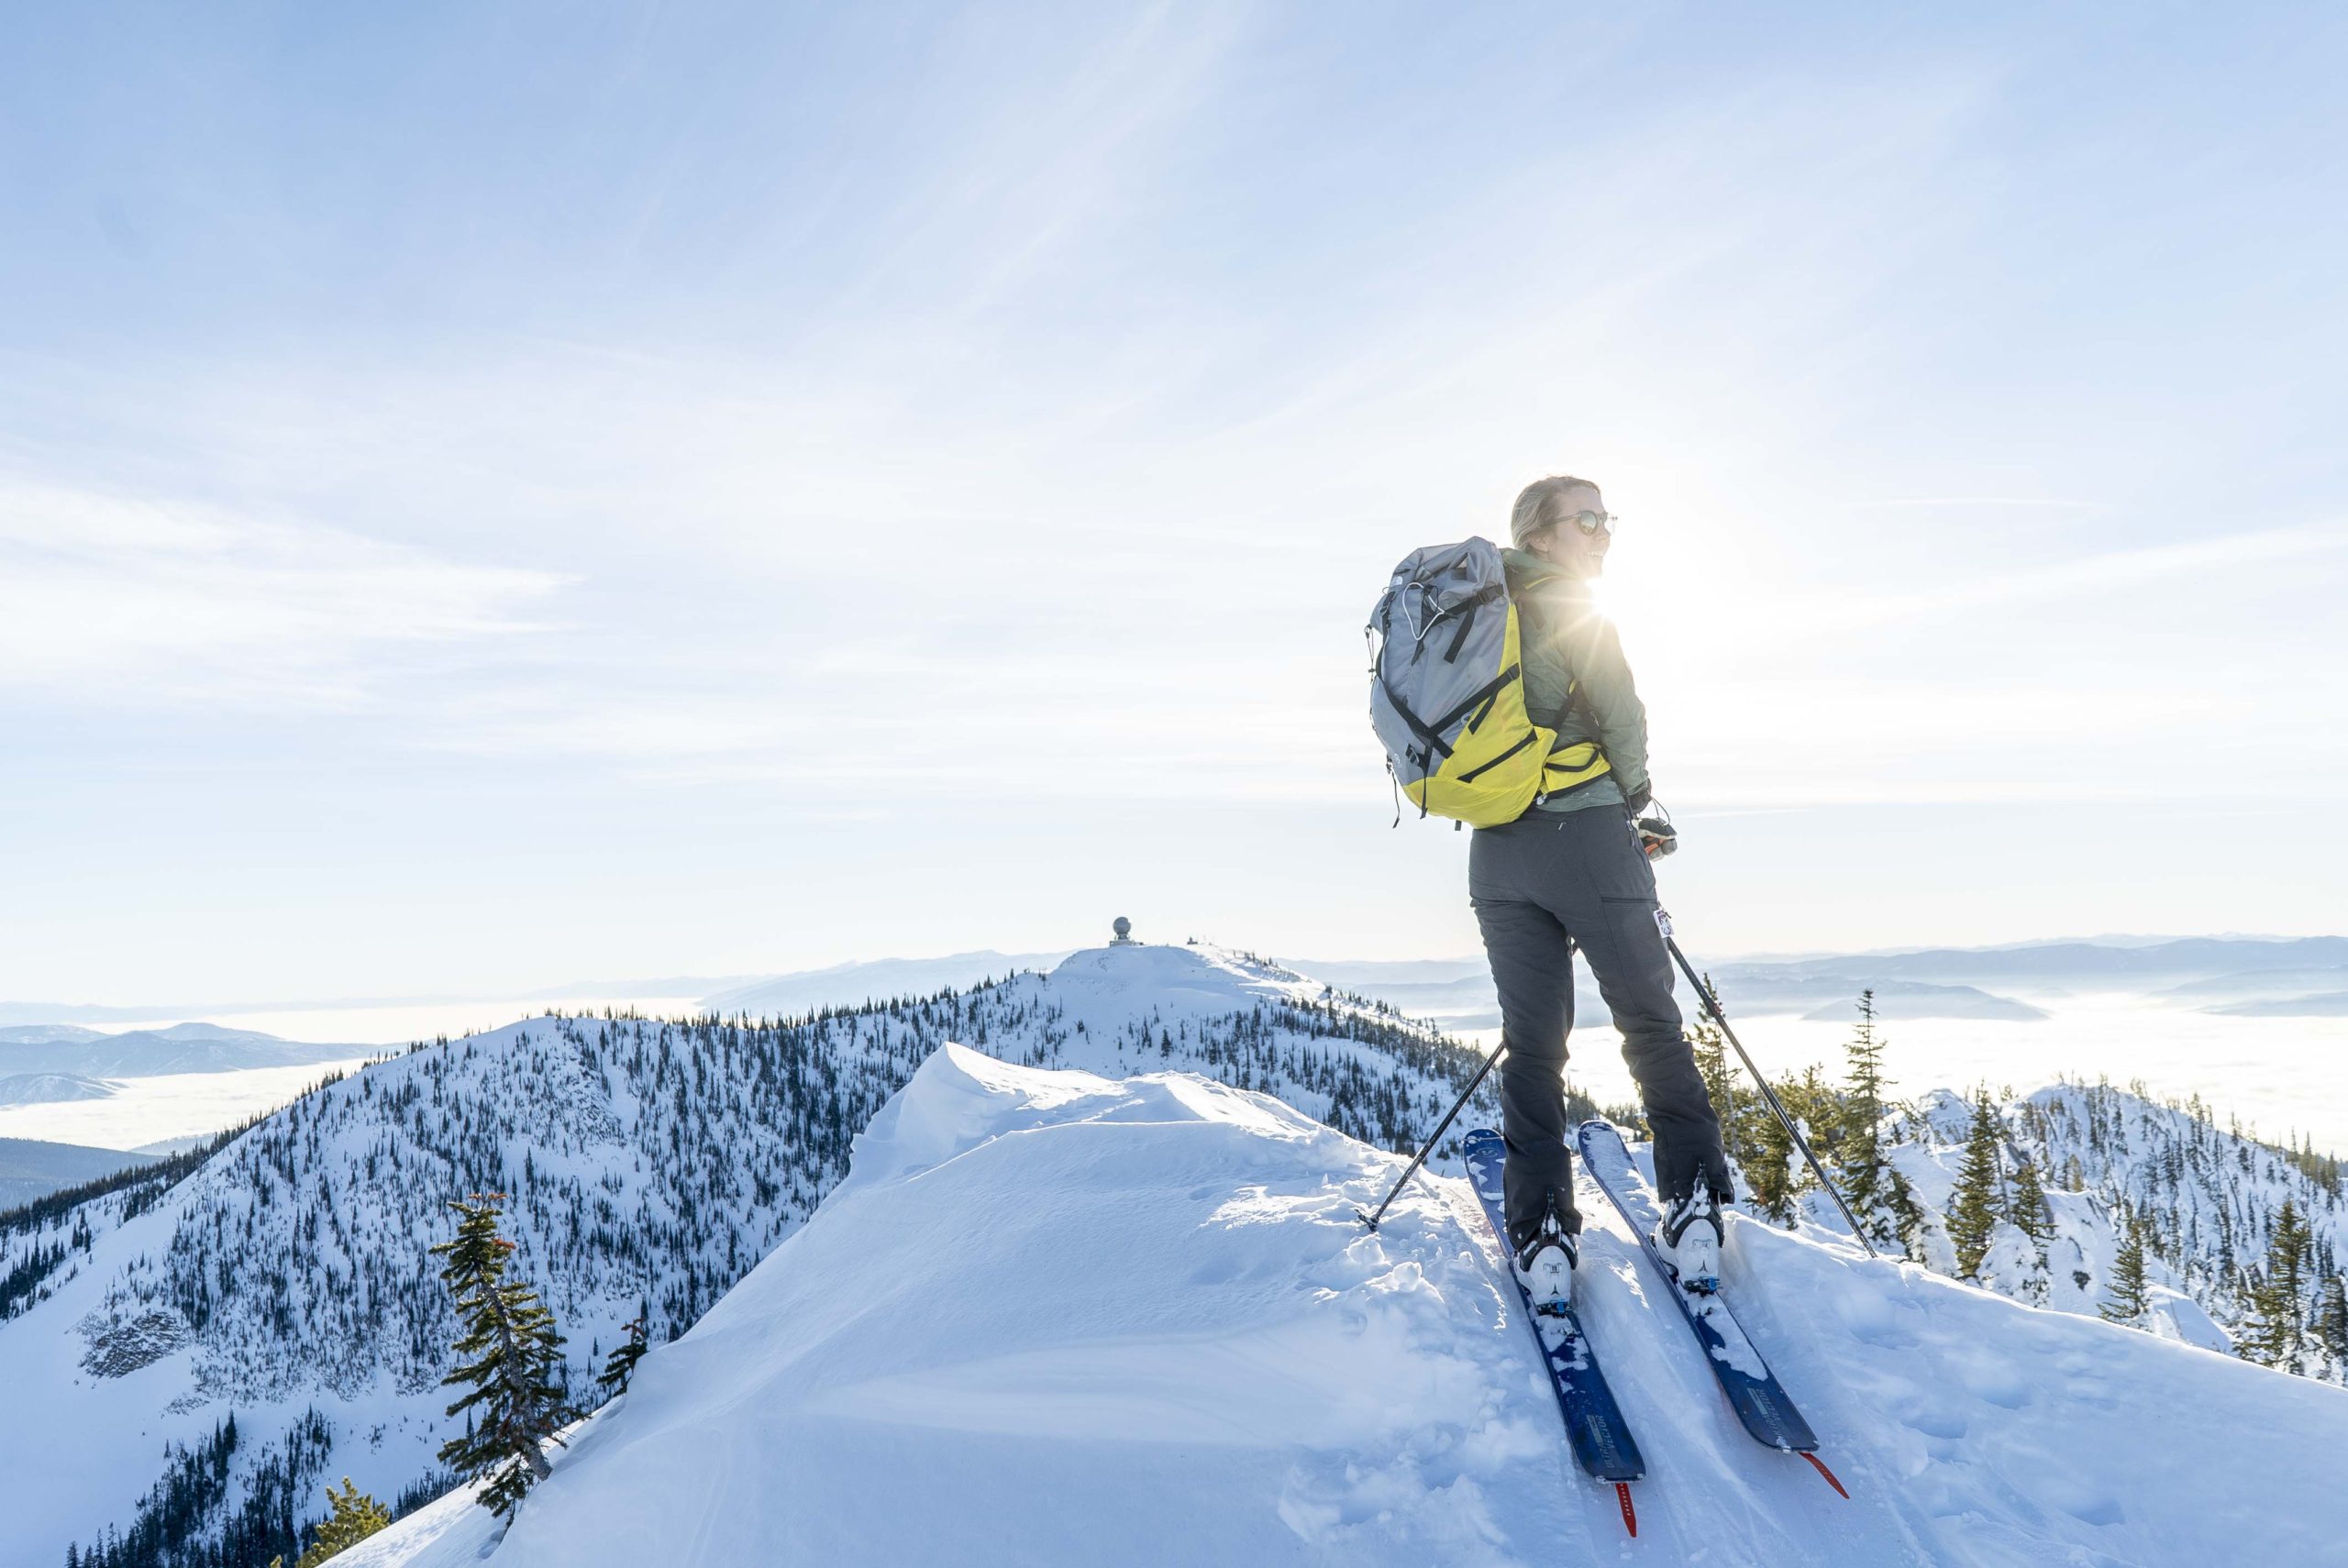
(1060, 1318)
(648, 1160)
(1098, 985)
(2209, 1195)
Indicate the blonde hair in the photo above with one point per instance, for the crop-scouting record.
(1541, 506)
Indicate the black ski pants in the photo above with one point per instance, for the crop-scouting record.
(1541, 884)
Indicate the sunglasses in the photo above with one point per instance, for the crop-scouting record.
(1594, 523)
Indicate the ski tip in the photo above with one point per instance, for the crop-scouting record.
(1630, 1515)
(1821, 1465)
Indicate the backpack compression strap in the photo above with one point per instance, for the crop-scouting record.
(1473, 707)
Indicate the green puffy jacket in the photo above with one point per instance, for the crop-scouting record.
(1566, 641)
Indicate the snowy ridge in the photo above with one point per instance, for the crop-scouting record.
(2208, 1197)
(1169, 1343)
(647, 1162)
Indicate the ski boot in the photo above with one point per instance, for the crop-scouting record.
(1544, 1260)
(1688, 1237)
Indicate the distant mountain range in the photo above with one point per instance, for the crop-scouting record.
(31, 1169)
(2074, 963)
(50, 1088)
(69, 1061)
(2262, 976)
(2329, 1004)
(850, 985)
(2243, 975)
(1457, 993)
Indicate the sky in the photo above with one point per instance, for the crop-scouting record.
(503, 494)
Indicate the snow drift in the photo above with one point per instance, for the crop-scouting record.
(1054, 1318)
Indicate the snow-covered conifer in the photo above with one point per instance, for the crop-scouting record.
(2125, 1299)
(1770, 1172)
(2027, 1207)
(1907, 1215)
(1973, 1207)
(1866, 1178)
(620, 1365)
(1719, 1080)
(508, 1353)
(2331, 1325)
(2276, 1335)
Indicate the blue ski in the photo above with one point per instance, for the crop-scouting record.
(1759, 1399)
(1602, 1439)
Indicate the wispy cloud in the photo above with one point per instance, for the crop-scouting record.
(145, 602)
(2022, 502)
(2101, 573)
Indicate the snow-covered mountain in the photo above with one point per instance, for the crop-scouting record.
(2205, 1199)
(153, 1053)
(1145, 1328)
(288, 1282)
(787, 995)
(31, 1168)
(50, 1088)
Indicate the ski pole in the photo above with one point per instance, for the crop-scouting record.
(1712, 1006)
(1420, 1158)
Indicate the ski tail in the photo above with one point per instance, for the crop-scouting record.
(1760, 1401)
(1602, 1439)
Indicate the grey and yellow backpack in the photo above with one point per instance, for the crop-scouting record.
(1446, 691)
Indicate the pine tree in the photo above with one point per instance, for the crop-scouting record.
(620, 1366)
(1865, 1174)
(509, 1352)
(1814, 1104)
(2127, 1299)
(1863, 1058)
(353, 1518)
(1770, 1174)
(2028, 1209)
(1720, 1078)
(2278, 1337)
(2331, 1325)
(1907, 1215)
(1973, 1207)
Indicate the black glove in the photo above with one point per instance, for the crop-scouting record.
(1658, 838)
(1639, 798)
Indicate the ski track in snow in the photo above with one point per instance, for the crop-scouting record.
(1050, 1318)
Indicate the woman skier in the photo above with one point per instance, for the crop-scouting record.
(1573, 871)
